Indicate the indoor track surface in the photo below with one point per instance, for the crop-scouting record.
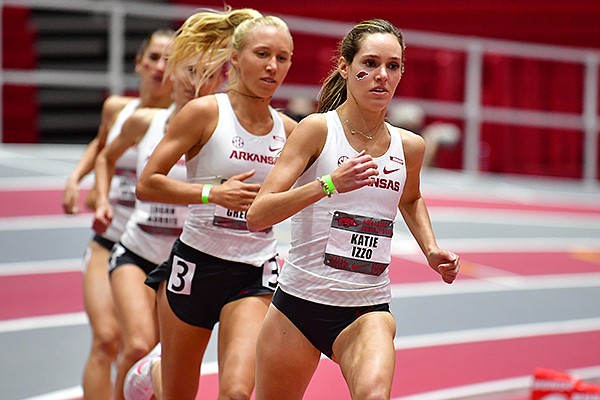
(528, 295)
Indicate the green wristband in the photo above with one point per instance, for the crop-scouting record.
(327, 185)
(205, 191)
(327, 179)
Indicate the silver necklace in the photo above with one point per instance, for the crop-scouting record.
(369, 134)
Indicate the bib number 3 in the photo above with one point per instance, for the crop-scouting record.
(182, 274)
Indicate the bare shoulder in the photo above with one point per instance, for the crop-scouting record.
(311, 130)
(200, 114)
(115, 103)
(145, 115)
(411, 142)
(315, 123)
(111, 108)
(138, 123)
(200, 108)
(310, 134)
(194, 124)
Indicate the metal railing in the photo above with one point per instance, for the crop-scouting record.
(471, 109)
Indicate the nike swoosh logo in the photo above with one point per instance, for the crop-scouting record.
(139, 368)
(389, 171)
(275, 149)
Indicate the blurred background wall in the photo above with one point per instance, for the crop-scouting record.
(519, 79)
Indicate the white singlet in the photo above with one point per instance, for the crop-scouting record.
(340, 246)
(122, 185)
(231, 150)
(153, 227)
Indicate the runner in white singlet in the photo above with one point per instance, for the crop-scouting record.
(96, 288)
(152, 227)
(230, 141)
(342, 176)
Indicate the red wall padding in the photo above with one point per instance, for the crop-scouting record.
(20, 113)
(18, 39)
(437, 74)
(20, 108)
(537, 86)
(432, 74)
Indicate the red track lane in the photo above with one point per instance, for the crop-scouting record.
(48, 202)
(590, 209)
(477, 265)
(434, 368)
(417, 370)
(24, 296)
(29, 294)
(442, 367)
(44, 294)
(533, 263)
(58, 293)
(20, 203)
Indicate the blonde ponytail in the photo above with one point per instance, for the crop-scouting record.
(203, 42)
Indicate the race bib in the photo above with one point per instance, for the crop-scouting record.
(163, 219)
(182, 276)
(125, 187)
(226, 218)
(359, 244)
(270, 273)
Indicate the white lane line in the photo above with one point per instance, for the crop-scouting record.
(519, 385)
(398, 291)
(41, 183)
(563, 218)
(403, 249)
(41, 267)
(474, 391)
(44, 322)
(57, 221)
(75, 392)
(497, 284)
(494, 333)
(502, 281)
(559, 220)
(32, 164)
(519, 244)
(459, 337)
(41, 152)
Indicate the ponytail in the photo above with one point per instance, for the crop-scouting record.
(332, 93)
(203, 42)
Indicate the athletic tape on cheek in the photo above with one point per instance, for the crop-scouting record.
(362, 74)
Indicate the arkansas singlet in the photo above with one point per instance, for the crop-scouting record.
(153, 227)
(341, 245)
(231, 150)
(122, 185)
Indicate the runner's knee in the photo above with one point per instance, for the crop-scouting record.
(106, 343)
